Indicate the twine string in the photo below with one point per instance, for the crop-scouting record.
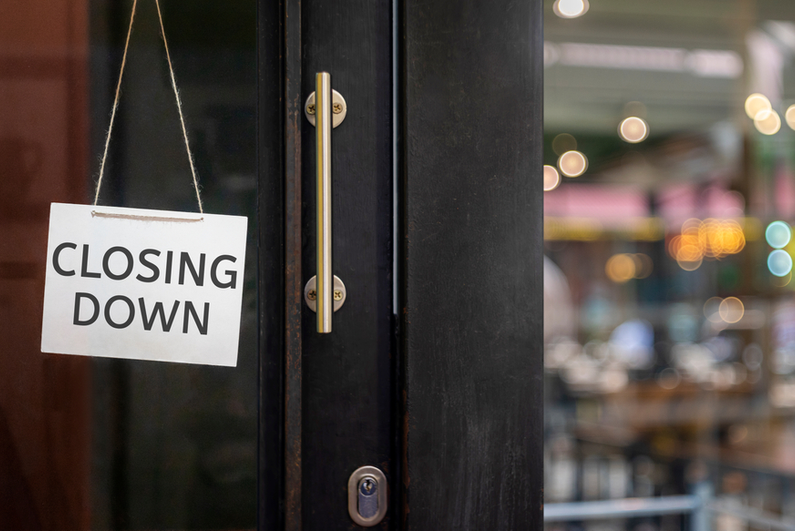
(95, 214)
(176, 97)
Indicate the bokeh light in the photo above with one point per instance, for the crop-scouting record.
(626, 266)
(780, 282)
(551, 178)
(731, 310)
(643, 265)
(767, 122)
(778, 234)
(789, 116)
(779, 263)
(712, 308)
(710, 238)
(570, 8)
(572, 164)
(620, 268)
(756, 103)
(562, 143)
(633, 130)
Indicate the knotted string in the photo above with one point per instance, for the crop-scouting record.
(176, 96)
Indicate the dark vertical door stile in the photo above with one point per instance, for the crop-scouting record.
(472, 277)
(271, 208)
(347, 374)
(293, 179)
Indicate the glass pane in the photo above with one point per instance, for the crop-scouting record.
(115, 444)
(669, 307)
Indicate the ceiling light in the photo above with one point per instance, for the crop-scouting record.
(790, 116)
(767, 122)
(570, 8)
(756, 103)
(551, 178)
(572, 164)
(633, 130)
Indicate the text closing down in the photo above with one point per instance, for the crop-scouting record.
(144, 284)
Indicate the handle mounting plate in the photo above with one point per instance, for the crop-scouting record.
(339, 108)
(310, 293)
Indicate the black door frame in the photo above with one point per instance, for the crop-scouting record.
(470, 263)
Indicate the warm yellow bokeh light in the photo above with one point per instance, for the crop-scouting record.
(767, 122)
(633, 130)
(790, 117)
(710, 238)
(620, 268)
(756, 103)
(731, 310)
(572, 164)
(688, 265)
(551, 178)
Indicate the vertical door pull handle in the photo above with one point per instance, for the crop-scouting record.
(324, 109)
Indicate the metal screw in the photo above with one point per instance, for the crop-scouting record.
(336, 108)
(310, 109)
(337, 295)
(368, 486)
(311, 295)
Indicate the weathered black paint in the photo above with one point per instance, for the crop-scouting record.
(472, 264)
(271, 258)
(293, 177)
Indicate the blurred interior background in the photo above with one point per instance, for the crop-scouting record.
(669, 304)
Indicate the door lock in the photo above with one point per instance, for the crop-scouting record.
(367, 495)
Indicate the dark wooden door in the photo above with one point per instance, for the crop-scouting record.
(433, 371)
(346, 374)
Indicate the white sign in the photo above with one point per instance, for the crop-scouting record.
(144, 284)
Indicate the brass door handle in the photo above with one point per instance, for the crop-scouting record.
(323, 169)
(325, 109)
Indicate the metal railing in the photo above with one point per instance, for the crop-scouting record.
(625, 508)
(699, 507)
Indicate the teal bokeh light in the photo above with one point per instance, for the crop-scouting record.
(778, 234)
(779, 263)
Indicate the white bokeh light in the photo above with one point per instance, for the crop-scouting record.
(551, 178)
(572, 164)
(633, 130)
(570, 8)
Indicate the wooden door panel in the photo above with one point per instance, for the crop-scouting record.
(347, 374)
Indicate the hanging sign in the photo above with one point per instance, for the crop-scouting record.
(144, 284)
